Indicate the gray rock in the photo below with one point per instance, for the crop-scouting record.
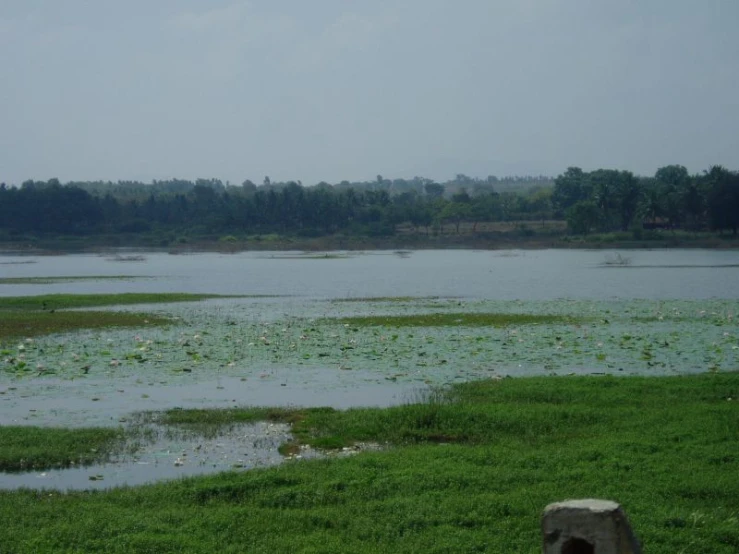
(587, 526)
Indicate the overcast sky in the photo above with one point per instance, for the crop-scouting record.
(348, 89)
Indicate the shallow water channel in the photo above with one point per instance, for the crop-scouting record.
(652, 313)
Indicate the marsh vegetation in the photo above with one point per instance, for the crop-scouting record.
(31, 316)
(464, 463)
(469, 470)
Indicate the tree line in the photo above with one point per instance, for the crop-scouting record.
(608, 200)
(602, 200)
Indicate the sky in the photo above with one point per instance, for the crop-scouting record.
(349, 89)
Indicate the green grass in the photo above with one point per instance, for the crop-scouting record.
(467, 319)
(68, 279)
(471, 471)
(30, 316)
(67, 301)
(38, 448)
(22, 324)
(211, 423)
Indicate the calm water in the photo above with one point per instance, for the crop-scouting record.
(504, 275)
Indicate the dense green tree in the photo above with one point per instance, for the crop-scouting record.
(627, 196)
(603, 200)
(672, 183)
(434, 190)
(723, 198)
(570, 188)
(583, 217)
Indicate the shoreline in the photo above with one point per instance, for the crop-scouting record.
(341, 243)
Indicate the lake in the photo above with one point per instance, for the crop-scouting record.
(646, 312)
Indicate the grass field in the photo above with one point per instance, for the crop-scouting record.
(469, 469)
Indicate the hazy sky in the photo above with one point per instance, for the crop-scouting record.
(348, 89)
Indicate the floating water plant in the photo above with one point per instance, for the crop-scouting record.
(468, 319)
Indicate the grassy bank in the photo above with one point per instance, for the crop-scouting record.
(34, 448)
(468, 471)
